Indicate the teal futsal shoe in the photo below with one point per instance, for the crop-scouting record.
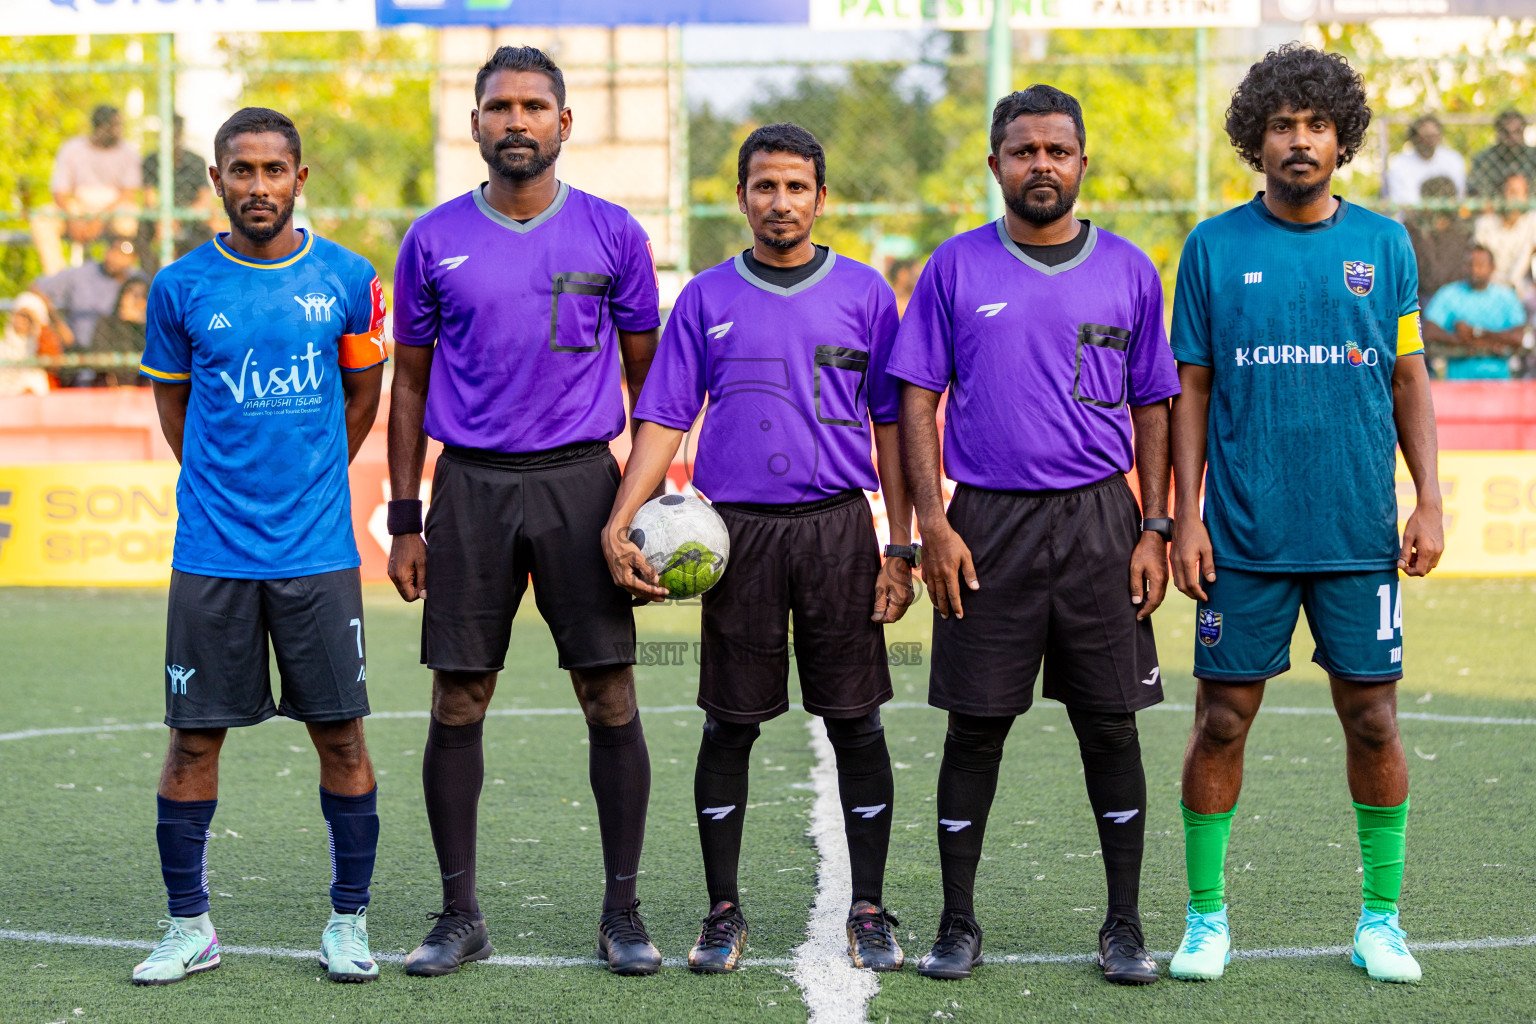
(1206, 949)
(189, 946)
(1381, 948)
(344, 948)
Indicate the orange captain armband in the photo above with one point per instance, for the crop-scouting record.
(366, 350)
(1410, 335)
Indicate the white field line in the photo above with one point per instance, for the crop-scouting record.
(835, 991)
(677, 709)
(1280, 953)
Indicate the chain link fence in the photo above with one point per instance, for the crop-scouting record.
(906, 151)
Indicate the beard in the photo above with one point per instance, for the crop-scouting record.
(1295, 193)
(1042, 213)
(260, 235)
(783, 243)
(507, 159)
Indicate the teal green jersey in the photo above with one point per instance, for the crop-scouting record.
(1301, 325)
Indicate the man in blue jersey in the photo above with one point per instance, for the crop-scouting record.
(1296, 326)
(265, 347)
(788, 341)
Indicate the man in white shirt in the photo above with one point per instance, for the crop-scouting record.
(1423, 158)
(1511, 237)
(92, 174)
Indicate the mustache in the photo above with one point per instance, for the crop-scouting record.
(1301, 158)
(1041, 181)
(520, 141)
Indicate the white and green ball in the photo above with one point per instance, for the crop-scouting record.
(684, 540)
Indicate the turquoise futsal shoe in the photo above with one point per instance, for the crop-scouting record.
(1381, 947)
(190, 945)
(344, 948)
(1206, 949)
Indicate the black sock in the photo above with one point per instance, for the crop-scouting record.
(1117, 789)
(452, 772)
(352, 823)
(619, 766)
(973, 749)
(181, 830)
(720, 797)
(867, 790)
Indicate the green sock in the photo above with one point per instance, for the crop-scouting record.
(1205, 857)
(1383, 832)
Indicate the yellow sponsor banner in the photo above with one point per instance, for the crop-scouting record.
(87, 523)
(1490, 512)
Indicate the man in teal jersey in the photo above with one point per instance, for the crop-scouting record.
(1296, 328)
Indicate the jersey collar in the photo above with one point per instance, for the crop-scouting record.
(1034, 264)
(511, 225)
(1262, 212)
(246, 261)
(794, 289)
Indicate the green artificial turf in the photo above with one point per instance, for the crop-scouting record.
(79, 855)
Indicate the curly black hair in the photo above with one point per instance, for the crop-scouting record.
(1302, 78)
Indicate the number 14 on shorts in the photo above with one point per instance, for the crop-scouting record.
(1390, 596)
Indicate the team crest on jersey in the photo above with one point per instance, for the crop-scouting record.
(1208, 627)
(1361, 277)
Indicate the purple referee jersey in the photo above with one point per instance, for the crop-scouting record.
(793, 375)
(526, 318)
(1040, 361)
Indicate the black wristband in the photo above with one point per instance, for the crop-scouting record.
(404, 516)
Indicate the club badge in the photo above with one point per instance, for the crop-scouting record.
(1360, 277)
(1208, 627)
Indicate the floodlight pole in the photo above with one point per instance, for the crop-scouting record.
(999, 80)
(166, 182)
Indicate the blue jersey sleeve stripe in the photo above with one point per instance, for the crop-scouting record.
(150, 371)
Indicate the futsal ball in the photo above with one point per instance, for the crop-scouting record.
(684, 540)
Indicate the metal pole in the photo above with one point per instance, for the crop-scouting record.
(683, 191)
(167, 178)
(999, 79)
(1202, 125)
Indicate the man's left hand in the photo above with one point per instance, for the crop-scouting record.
(894, 593)
(1149, 574)
(1423, 541)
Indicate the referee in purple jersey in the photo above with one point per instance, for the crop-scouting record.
(518, 306)
(1043, 329)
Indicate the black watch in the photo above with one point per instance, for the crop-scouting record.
(1162, 527)
(912, 554)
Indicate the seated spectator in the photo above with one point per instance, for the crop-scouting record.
(1441, 239)
(1511, 237)
(21, 341)
(903, 279)
(1508, 155)
(1424, 157)
(83, 295)
(1475, 325)
(190, 189)
(92, 174)
(123, 331)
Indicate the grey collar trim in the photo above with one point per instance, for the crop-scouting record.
(773, 289)
(512, 225)
(1034, 264)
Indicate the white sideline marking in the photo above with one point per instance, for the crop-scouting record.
(677, 709)
(835, 991)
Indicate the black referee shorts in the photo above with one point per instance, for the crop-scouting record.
(1054, 569)
(816, 563)
(498, 519)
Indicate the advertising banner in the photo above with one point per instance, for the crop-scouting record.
(591, 12)
(130, 17)
(1033, 14)
(1490, 512)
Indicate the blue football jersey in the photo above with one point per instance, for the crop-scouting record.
(263, 488)
(1302, 325)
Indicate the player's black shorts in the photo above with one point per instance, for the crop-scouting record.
(1054, 569)
(216, 664)
(818, 562)
(495, 520)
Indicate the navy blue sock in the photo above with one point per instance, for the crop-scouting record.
(353, 825)
(182, 834)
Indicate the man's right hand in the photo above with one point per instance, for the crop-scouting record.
(408, 565)
(1190, 558)
(628, 566)
(946, 560)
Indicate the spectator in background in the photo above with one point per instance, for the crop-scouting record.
(1475, 326)
(1426, 156)
(124, 331)
(1508, 155)
(903, 278)
(1511, 237)
(92, 174)
(20, 341)
(1441, 238)
(83, 295)
(190, 189)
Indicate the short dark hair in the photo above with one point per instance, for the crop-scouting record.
(1438, 187)
(102, 114)
(1037, 99)
(1509, 114)
(522, 58)
(1298, 77)
(1419, 122)
(1479, 247)
(256, 121)
(784, 137)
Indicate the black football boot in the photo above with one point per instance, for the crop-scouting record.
(722, 940)
(455, 939)
(1123, 955)
(957, 950)
(623, 942)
